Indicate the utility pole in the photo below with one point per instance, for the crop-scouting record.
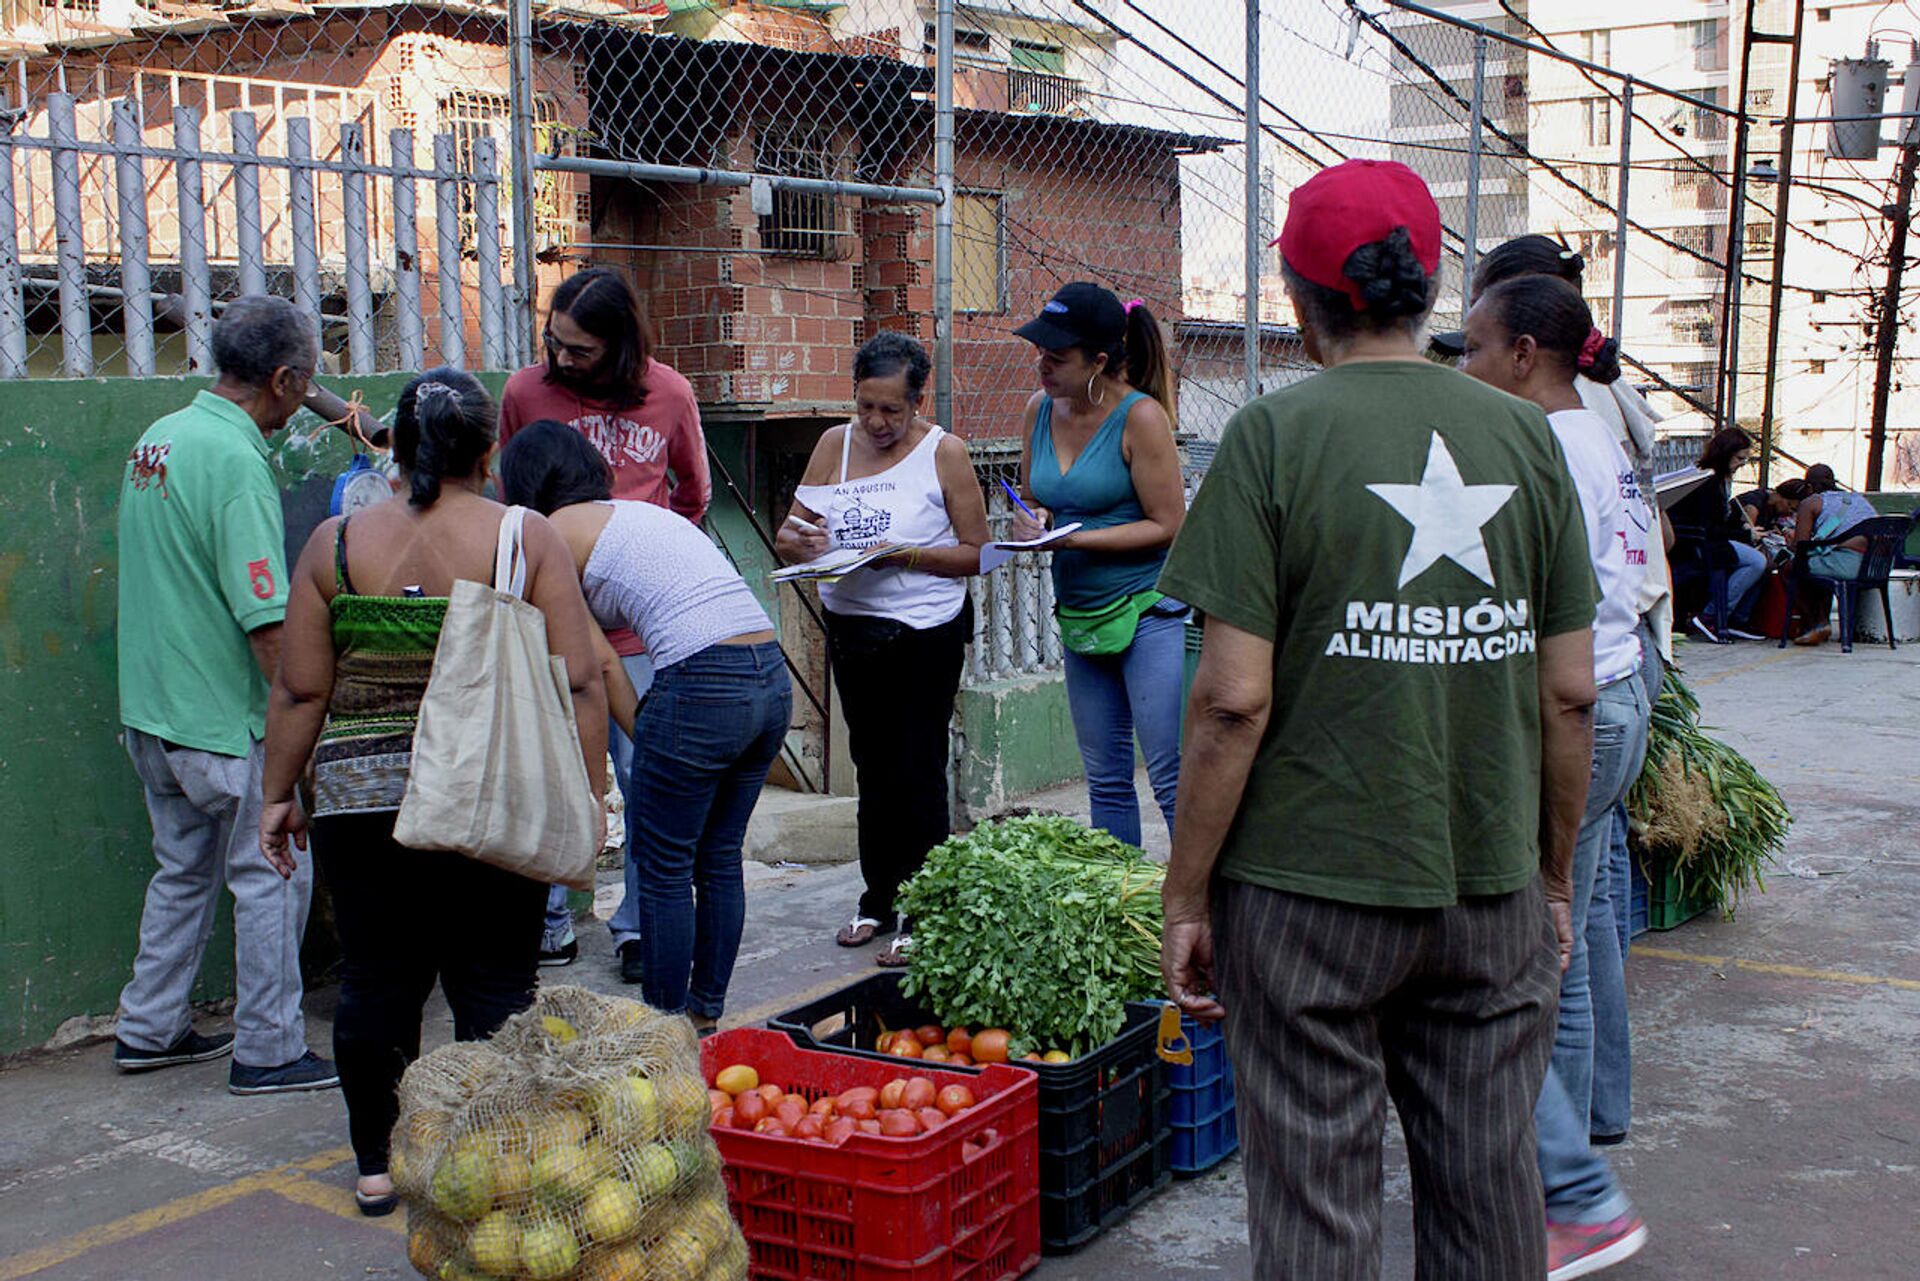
(1782, 191)
(1887, 331)
(1729, 380)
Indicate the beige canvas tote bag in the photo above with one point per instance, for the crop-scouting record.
(497, 772)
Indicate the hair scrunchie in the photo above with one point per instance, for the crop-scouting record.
(1590, 349)
(1135, 302)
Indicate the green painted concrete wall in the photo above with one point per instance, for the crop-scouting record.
(1017, 738)
(76, 855)
(77, 844)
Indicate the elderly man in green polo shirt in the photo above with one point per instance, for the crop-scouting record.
(203, 588)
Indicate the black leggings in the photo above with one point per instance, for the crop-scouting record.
(897, 687)
(407, 917)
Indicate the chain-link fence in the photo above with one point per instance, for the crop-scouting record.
(770, 177)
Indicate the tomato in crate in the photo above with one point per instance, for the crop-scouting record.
(957, 1202)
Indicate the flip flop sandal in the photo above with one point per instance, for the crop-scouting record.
(858, 932)
(374, 1207)
(899, 953)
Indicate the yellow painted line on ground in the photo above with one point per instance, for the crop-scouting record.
(336, 1199)
(160, 1216)
(1778, 656)
(1782, 971)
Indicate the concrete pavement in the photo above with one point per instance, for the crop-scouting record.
(1777, 1060)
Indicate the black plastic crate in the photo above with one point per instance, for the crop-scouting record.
(1104, 1133)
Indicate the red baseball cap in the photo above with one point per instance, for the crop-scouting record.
(1352, 204)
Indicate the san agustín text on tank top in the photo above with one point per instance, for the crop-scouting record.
(903, 504)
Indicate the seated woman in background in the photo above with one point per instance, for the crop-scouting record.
(1773, 509)
(1825, 512)
(1713, 529)
(714, 719)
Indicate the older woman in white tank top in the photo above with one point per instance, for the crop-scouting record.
(897, 629)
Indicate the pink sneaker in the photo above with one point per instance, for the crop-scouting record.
(1576, 1250)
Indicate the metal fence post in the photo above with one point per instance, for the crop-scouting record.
(1736, 255)
(1476, 140)
(520, 142)
(1253, 246)
(1619, 325)
(196, 287)
(13, 312)
(406, 253)
(446, 230)
(246, 203)
(353, 217)
(306, 229)
(943, 215)
(136, 276)
(486, 240)
(69, 231)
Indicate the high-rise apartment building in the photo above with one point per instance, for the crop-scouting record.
(1681, 196)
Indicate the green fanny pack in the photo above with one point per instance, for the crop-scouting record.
(1108, 629)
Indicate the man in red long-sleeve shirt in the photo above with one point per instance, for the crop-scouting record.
(601, 379)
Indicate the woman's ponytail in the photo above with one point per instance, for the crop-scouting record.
(1149, 367)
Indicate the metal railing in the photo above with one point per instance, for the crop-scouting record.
(372, 265)
(1042, 92)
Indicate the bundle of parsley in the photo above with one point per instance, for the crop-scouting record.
(1039, 925)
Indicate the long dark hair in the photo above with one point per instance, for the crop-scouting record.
(1398, 290)
(548, 465)
(1533, 255)
(599, 301)
(1558, 320)
(1717, 457)
(442, 428)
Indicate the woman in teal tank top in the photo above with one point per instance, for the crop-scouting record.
(1100, 453)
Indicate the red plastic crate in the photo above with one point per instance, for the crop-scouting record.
(881, 1209)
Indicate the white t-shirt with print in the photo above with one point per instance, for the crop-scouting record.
(1617, 534)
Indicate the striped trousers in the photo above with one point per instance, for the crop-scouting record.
(1332, 1008)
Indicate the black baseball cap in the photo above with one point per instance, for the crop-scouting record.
(1081, 313)
(1452, 343)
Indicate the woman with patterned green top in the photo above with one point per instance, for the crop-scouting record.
(363, 621)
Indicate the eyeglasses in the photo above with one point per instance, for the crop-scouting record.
(586, 355)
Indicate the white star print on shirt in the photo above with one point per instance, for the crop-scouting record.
(1446, 515)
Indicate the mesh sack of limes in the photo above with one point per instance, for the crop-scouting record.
(573, 1146)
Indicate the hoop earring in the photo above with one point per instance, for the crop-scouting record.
(1090, 396)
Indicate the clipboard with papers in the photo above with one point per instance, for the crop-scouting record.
(996, 554)
(837, 563)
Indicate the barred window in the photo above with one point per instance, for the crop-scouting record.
(979, 252)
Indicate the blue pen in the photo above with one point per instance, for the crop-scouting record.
(1017, 503)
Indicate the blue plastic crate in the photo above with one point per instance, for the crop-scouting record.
(1200, 1102)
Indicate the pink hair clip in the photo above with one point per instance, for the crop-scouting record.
(1590, 349)
(1135, 302)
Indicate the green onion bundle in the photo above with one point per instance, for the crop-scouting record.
(1702, 806)
(1039, 925)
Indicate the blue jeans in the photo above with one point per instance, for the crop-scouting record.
(1743, 582)
(1115, 696)
(1593, 998)
(709, 730)
(1578, 1182)
(1612, 1054)
(559, 927)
